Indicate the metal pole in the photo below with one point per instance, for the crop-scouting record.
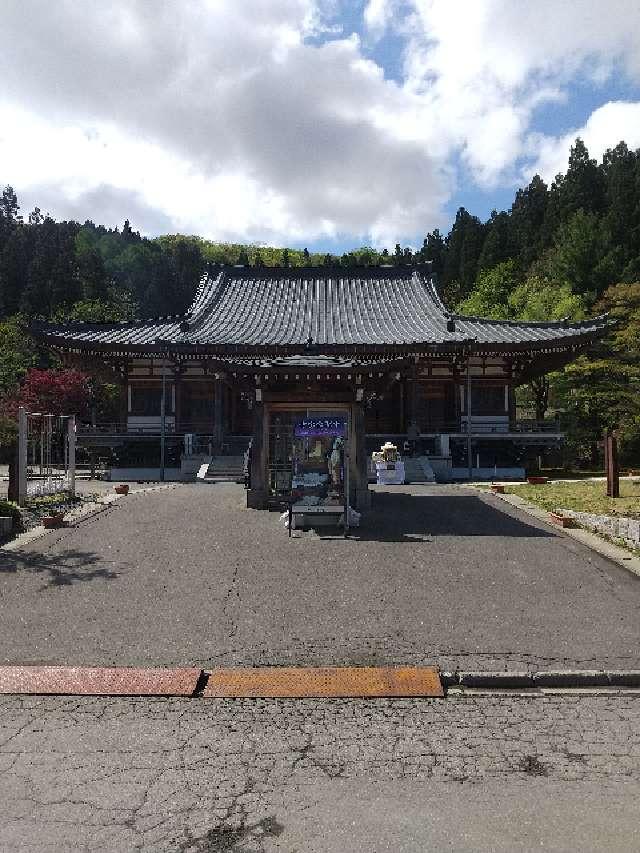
(22, 456)
(163, 424)
(71, 441)
(469, 459)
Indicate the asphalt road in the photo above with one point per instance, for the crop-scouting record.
(437, 574)
(188, 576)
(486, 773)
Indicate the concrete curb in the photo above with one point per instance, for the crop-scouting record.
(615, 553)
(568, 678)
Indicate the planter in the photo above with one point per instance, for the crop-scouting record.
(6, 525)
(122, 490)
(54, 519)
(561, 520)
(497, 489)
(537, 481)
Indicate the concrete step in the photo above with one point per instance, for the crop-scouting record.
(225, 468)
(418, 469)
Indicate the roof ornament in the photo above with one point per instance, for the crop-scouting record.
(184, 326)
(309, 342)
(451, 325)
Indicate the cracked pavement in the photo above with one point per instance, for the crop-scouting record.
(441, 575)
(472, 772)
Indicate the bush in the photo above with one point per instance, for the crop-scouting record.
(13, 510)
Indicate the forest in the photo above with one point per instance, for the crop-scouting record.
(568, 249)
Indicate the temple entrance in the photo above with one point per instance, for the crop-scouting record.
(305, 452)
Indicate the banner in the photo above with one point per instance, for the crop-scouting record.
(318, 427)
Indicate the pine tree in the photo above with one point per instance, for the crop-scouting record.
(498, 245)
(434, 250)
(528, 213)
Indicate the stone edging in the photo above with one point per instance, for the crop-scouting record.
(569, 678)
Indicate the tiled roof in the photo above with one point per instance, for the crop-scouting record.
(258, 310)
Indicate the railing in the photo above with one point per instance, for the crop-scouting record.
(126, 428)
(534, 426)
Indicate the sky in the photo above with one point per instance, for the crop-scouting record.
(321, 123)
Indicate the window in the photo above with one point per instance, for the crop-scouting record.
(487, 399)
(146, 400)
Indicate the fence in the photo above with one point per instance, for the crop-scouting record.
(46, 454)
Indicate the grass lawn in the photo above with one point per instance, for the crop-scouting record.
(583, 496)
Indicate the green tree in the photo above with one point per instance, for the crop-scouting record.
(434, 250)
(18, 353)
(498, 245)
(578, 255)
(528, 215)
(602, 389)
(464, 244)
(536, 300)
(490, 296)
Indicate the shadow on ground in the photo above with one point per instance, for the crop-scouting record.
(402, 517)
(69, 567)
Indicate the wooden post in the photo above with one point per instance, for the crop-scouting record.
(218, 432)
(257, 494)
(177, 415)
(611, 464)
(358, 452)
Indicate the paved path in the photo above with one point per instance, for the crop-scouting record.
(437, 575)
(486, 773)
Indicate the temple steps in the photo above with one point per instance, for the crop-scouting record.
(417, 469)
(225, 468)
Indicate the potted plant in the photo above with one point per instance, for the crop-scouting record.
(558, 517)
(55, 518)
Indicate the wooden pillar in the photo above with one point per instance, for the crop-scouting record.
(177, 384)
(360, 494)
(611, 464)
(123, 403)
(257, 494)
(411, 399)
(218, 404)
(512, 408)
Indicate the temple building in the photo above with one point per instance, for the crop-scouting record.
(375, 348)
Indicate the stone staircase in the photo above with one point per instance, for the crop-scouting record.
(229, 468)
(417, 469)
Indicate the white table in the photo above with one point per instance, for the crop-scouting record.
(386, 475)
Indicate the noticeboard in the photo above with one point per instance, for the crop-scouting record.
(319, 427)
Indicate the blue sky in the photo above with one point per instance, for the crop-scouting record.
(321, 123)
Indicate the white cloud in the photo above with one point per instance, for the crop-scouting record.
(609, 124)
(486, 65)
(219, 115)
(253, 120)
